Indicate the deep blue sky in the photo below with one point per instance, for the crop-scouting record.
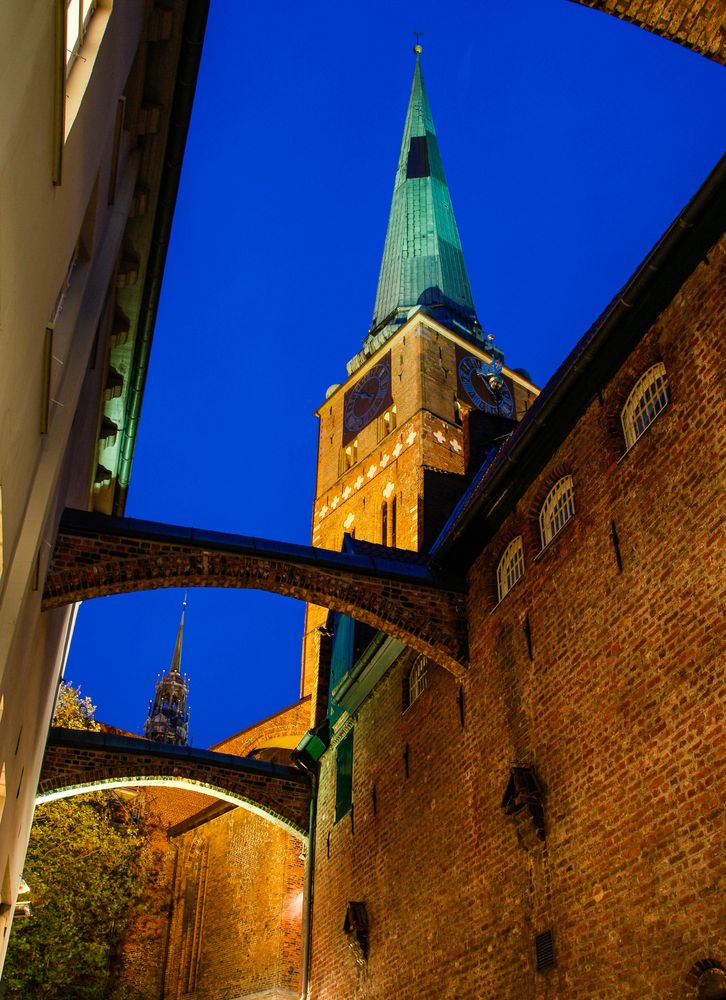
(570, 140)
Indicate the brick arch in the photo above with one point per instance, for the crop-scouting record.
(77, 762)
(96, 555)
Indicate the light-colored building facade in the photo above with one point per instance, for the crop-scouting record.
(90, 154)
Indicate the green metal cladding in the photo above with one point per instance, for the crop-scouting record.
(423, 263)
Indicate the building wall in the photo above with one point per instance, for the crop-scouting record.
(82, 161)
(618, 709)
(236, 909)
(42, 472)
(389, 467)
(230, 889)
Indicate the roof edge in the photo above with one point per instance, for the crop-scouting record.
(592, 362)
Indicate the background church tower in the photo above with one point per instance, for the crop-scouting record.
(168, 718)
(426, 397)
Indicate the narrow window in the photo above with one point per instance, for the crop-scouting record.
(416, 681)
(648, 397)
(393, 522)
(78, 17)
(349, 456)
(558, 508)
(387, 422)
(458, 418)
(384, 523)
(344, 776)
(510, 568)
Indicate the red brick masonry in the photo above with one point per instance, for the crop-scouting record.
(74, 758)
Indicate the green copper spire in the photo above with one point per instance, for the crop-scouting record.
(422, 261)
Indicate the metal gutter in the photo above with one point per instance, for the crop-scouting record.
(190, 55)
(589, 367)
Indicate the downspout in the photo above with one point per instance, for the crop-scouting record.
(308, 891)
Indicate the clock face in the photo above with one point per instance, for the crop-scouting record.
(475, 377)
(366, 399)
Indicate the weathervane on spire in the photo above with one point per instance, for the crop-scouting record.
(418, 47)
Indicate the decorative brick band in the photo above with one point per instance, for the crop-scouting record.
(97, 555)
(78, 761)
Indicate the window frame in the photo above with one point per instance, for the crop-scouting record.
(344, 776)
(560, 499)
(387, 421)
(86, 10)
(512, 556)
(416, 680)
(649, 396)
(348, 456)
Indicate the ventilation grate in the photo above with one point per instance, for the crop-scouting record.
(545, 948)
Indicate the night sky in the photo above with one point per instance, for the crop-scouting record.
(570, 141)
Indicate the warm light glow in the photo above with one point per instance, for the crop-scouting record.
(163, 782)
(292, 906)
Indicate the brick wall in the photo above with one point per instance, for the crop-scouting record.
(391, 469)
(233, 886)
(697, 24)
(619, 709)
(237, 904)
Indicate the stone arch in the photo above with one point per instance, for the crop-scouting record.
(188, 784)
(76, 762)
(97, 555)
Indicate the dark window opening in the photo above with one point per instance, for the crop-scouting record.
(418, 157)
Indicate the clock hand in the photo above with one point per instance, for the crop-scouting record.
(359, 394)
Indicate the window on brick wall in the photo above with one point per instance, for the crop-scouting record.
(349, 456)
(344, 776)
(387, 422)
(712, 985)
(510, 567)
(384, 523)
(648, 397)
(558, 508)
(415, 681)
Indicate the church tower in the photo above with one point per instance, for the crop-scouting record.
(427, 395)
(168, 718)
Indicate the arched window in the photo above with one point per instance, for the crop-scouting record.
(712, 985)
(558, 508)
(648, 397)
(415, 681)
(510, 568)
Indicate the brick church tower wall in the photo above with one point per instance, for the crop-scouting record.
(618, 708)
(235, 922)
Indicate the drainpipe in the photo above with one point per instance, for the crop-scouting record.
(308, 891)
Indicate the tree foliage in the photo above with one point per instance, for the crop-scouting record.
(73, 710)
(86, 867)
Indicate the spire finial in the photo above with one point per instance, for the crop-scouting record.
(418, 47)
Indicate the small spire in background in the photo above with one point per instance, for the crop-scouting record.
(418, 47)
(168, 717)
